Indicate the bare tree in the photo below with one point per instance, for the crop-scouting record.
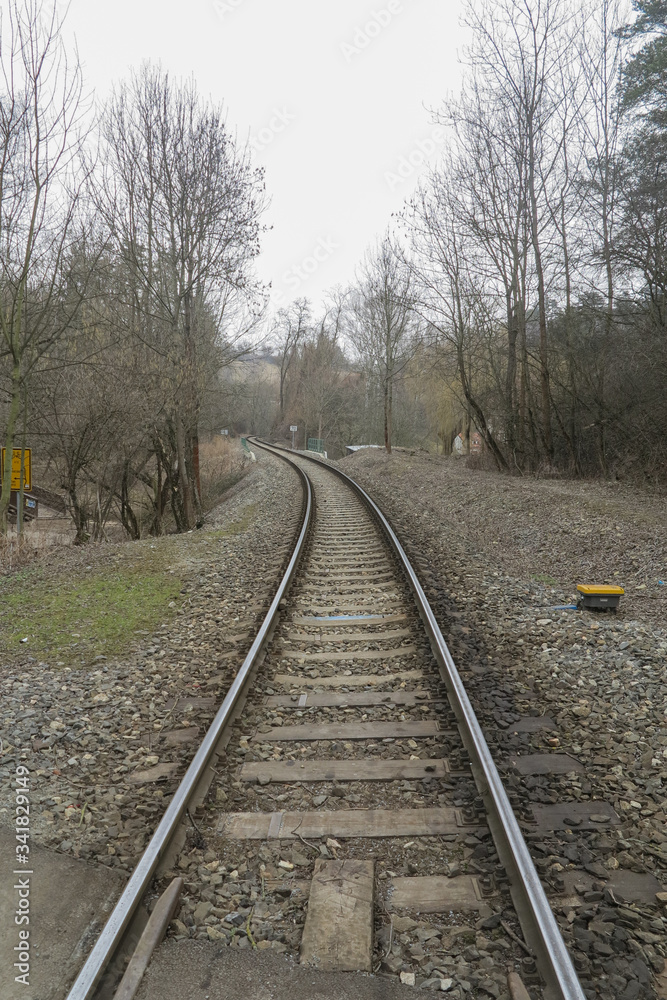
(383, 327)
(290, 327)
(490, 201)
(601, 60)
(321, 368)
(449, 295)
(41, 115)
(182, 206)
(521, 46)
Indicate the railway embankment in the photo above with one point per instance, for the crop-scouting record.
(129, 649)
(498, 557)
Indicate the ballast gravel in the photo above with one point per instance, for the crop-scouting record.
(499, 557)
(106, 744)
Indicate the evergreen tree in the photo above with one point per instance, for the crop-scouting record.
(645, 73)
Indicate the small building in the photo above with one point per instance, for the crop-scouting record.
(476, 444)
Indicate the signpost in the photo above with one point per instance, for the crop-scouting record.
(294, 429)
(16, 468)
(28, 512)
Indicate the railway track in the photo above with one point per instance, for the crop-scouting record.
(350, 777)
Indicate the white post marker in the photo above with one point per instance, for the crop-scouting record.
(294, 429)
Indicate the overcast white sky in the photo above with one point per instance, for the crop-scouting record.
(332, 94)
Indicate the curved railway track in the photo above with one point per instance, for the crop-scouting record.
(357, 746)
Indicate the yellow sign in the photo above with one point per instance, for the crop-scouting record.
(16, 468)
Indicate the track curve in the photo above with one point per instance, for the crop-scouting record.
(360, 657)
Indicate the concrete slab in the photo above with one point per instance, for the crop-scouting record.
(592, 815)
(546, 763)
(338, 933)
(634, 887)
(197, 970)
(69, 901)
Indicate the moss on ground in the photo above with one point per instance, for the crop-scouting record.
(94, 612)
(69, 617)
(545, 579)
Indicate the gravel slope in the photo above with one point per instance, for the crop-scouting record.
(93, 737)
(497, 555)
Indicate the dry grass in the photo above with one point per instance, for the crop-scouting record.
(18, 552)
(220, 466)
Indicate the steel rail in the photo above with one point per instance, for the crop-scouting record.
(536, 917)
(110, 937)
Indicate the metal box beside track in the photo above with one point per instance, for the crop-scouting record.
(599, 596)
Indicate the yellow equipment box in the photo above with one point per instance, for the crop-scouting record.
(597, 595)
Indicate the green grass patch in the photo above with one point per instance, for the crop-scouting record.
(70, 616)
(70, 621)
(235, 528)
(546, 579)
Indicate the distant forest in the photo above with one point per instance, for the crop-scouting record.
(520, 294)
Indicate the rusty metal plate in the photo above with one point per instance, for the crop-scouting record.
(546, 763)
(574, 816)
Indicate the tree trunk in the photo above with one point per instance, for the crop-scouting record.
(79, 512)
(21, 492)
(510, 376)
(387, 433)
(157, 520)
(192, 410)
(183, 479)
(195, 475)
(542, 308)
(474, 407)
(14, 407)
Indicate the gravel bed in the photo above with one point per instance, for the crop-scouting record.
(497, 555)
(107, 743)
(246, 895)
